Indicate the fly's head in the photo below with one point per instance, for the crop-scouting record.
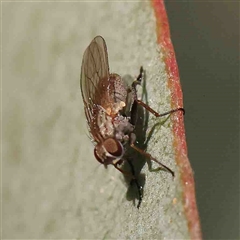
(109, 151)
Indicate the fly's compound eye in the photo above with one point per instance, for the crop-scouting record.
(113, 148)
(108, 151)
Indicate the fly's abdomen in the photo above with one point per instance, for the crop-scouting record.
(114, 94)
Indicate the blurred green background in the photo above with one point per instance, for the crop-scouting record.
(205, 36)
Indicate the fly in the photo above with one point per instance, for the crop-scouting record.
(110, 107)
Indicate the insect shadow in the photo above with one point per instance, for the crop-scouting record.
(134, 160)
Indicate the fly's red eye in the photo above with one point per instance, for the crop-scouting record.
(113, 147)
(108, 151)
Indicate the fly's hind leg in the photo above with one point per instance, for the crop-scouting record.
(140, 76)
(156, 114)
(134, 108)
(135, 104)
(144, 105)
(137, 81)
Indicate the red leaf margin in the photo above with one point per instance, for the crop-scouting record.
(179, 143)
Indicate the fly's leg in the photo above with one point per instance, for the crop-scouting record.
(134, 113)
(152, 158)
(116, 165)
(132, 175)
(136, 82)
(156, 114)
(147, 155)
(140, 76)
(140, 188)
(134, 109)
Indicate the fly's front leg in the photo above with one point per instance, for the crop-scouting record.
(139, 187)
(117, 166)
(133, 177)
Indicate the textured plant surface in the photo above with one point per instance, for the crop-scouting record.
(52, 185)
(180, 147)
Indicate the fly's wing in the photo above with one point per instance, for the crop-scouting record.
(94, 69)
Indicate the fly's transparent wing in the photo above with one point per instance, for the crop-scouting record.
(94, 69)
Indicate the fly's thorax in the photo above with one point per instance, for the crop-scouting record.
(118, 127)
(105, 124)
(123, 128)
(109, 151)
